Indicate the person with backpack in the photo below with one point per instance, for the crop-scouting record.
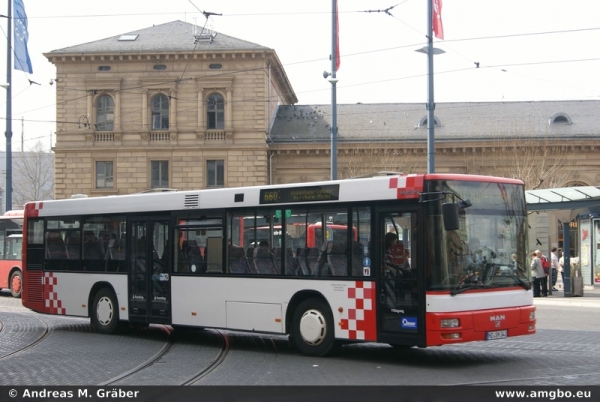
(546, 268)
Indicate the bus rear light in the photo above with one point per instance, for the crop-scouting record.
(450, 323)
(452, 335)
(532, 315)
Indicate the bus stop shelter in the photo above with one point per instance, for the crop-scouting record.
(565, 203)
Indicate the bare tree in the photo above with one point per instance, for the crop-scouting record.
(33, 176)
(534, 160)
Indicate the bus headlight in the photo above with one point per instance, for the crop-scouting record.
(532, 315)
(450, 323)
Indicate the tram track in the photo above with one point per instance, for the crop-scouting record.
(169, 353)
(222, 355)
(45, 333)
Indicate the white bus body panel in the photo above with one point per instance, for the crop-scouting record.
(257, 304)
(473, 301)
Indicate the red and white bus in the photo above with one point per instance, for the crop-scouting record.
(122, 259)
(11, 227)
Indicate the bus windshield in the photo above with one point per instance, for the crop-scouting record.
(489, 248)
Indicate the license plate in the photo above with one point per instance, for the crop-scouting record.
(489, 336)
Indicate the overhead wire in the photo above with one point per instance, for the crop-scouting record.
(359, 53)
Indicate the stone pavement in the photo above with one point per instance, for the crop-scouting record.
(590, 298)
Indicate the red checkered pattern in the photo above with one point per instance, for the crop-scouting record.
(361, 323)
(33, 208)
(52, 304)
(409, 186)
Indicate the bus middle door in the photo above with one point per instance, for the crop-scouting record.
(149, 271)
(400, 317)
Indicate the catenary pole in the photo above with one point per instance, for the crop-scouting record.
(430, 102)
(333, 81)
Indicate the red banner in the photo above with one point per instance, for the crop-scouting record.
(438, 27)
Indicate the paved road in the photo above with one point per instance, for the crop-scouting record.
(50, 350)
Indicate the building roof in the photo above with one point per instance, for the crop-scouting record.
(176, 36)
(459, 121)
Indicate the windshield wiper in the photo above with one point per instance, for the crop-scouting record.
(525, 285)
(454, 292)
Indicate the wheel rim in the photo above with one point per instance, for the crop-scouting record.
(104, 311)
(15, 285)
(313, 327)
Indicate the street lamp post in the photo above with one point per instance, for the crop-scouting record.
(430, 51)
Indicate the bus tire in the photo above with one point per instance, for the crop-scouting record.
(16, 284)
(312, 328)
(105, 311)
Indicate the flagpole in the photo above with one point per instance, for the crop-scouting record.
(8, 133)
(430, 102)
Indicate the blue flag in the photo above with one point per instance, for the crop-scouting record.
(22, 60)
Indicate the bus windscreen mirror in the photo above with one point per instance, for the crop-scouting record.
(450, 216)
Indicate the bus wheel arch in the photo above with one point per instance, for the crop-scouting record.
(104, 309)
(312, 327)
(15, 282)
(295, 301)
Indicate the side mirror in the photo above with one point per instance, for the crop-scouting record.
(450, 216)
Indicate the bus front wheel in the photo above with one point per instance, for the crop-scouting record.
(16, 284)
(312, 328)
(105, 314)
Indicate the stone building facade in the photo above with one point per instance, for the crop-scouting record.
(164, 107)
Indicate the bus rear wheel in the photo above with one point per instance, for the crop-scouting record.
(16, 284)
(312, 328)
(105, 313)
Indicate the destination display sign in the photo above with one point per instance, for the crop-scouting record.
(300, 194)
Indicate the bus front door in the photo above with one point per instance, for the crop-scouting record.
(400, 318)
(149, 271)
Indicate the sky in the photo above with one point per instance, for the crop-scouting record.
(526, 49)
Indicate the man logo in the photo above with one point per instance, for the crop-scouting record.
(497, 319)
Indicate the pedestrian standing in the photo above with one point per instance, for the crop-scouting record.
(537, 272)
(556, 268)
(545, 272)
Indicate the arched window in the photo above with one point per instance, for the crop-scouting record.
(160, 112)
(105, 113)
(560, 118)
(423, 122)
(215, 112)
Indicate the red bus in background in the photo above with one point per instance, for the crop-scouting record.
(11, 245)
(312, 236)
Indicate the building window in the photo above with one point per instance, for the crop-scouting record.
(561, 118)
(423, 122)
(103, 68)
(159, 67)
(104, 174)
(215, 173)
(215, 112)
(160, 112)
(215, 66)
(160, 174)
(105, 113)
